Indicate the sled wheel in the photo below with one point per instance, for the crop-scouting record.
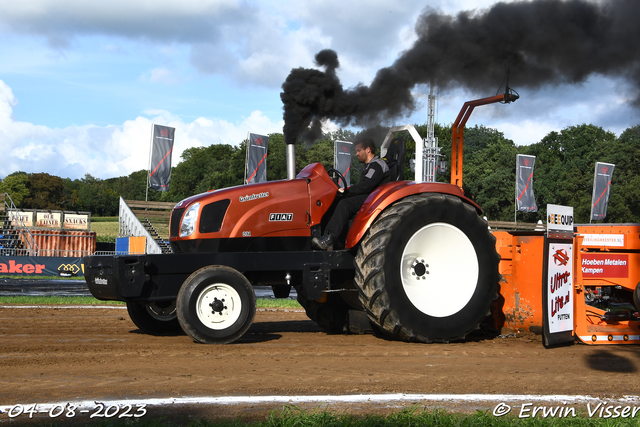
(330, 315)
(427, 269)
(216, 305)
(155, 318)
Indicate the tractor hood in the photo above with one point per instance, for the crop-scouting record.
(271, 209)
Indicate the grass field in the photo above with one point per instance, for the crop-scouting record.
(106, 231)
(411, 417)
(107, 228)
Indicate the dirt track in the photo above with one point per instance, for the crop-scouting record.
(62, 354)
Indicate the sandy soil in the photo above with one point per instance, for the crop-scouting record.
(67, 354)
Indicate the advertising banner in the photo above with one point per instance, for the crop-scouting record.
(604, 265)
(77, 221)
(613, 240)
(559, 218)
(601, 187)
(49, 219)
(21, 218)
(162, 146)
(257, 159)
(41, 266)
(525, 200)
(342, 159)
(557, 287)
(560, 291)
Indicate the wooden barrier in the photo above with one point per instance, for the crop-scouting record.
(151, 210)
(514, 226)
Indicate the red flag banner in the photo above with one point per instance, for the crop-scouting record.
(256, 169)
(162, 146)
(601, 189)
(342, 160)
(525, 199)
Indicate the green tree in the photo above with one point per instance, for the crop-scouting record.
(96, 196)
(16, 185)
(489, 171)
(564, 168)
(45, 192)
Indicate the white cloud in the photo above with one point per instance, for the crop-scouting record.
(108, 151)
(161, 75)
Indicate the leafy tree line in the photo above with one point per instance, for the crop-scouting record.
(563, 174)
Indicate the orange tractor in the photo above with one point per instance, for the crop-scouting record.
(418, 261)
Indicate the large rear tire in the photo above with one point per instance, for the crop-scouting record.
(427, 269)
(155, 318)
(216, 305)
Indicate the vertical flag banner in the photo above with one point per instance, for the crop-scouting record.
(256, 170)
(525, 200)
(342, 159)
(601, 187)
(161, 148)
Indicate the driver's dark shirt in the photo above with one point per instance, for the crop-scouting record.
(370, 178)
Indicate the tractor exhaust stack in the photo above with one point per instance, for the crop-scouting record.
(291, 161)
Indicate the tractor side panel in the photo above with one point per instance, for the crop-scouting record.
(390, 193)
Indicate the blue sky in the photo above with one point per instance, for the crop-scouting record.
(82, 82)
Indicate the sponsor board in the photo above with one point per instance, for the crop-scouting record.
(559, 218)
(41, 266)
(604, 265)
(613, 240)
(560, 287)
(21, 219)
(49, 219)
(76, 222)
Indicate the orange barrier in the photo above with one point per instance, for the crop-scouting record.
(519, 305)
(64, 243)
(606, 274)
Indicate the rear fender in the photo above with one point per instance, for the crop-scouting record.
(390, 193)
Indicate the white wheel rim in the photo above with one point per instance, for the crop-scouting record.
(218, 306)
(161, 313)
(439, 269)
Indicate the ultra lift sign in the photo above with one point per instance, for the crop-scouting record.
(559, 281)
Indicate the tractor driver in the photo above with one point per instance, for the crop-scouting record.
(375, 170)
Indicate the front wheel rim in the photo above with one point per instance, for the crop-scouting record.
(439, 269)
(218, 306)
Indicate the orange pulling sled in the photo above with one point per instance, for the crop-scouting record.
(606, 282)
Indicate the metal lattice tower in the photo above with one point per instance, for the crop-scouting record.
(431, 154)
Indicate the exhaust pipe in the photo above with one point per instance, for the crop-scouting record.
(291, 161)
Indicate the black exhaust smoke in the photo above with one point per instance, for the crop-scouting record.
(542, 43)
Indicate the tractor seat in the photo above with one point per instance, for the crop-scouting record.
(395, 160)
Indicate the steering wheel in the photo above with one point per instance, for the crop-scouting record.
(340, 177)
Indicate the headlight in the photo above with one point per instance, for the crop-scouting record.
(189, 220)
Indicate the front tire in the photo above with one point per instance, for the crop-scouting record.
(427, 269)
(155, 318)
(216, 305)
